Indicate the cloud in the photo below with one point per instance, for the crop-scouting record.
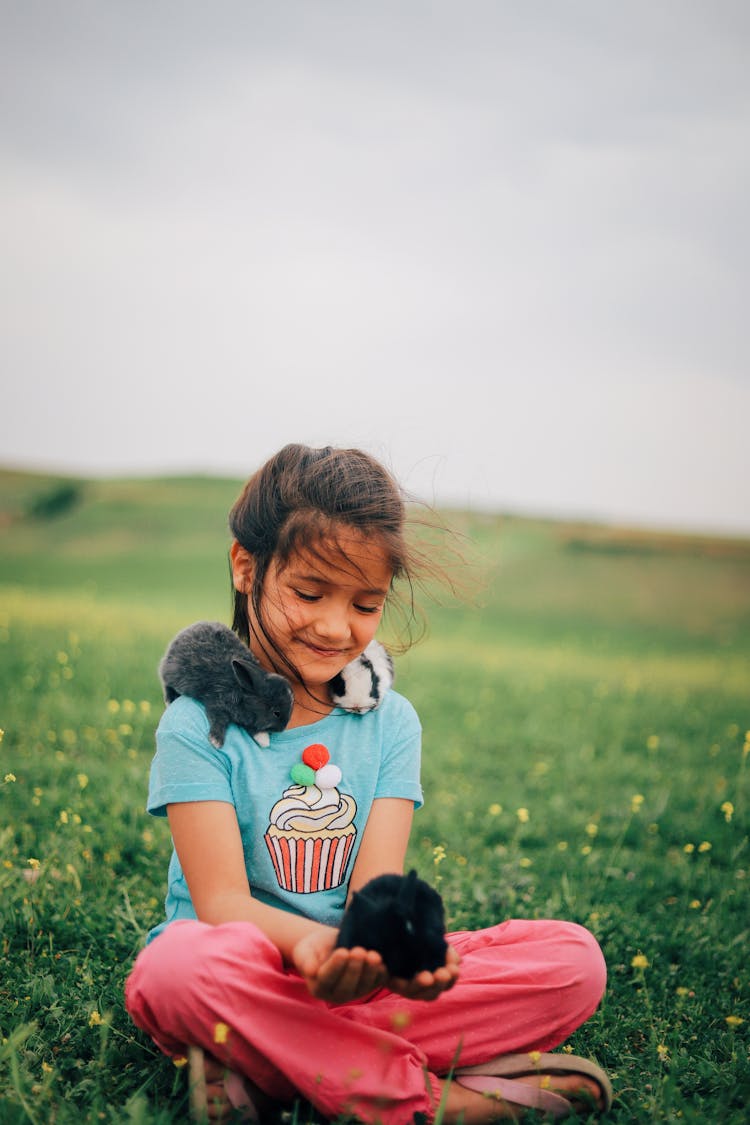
(506, 245)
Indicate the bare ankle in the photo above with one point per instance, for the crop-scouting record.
(467, 1106)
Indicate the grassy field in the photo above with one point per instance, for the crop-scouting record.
(586, 756)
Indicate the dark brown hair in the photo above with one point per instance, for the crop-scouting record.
(297, 500)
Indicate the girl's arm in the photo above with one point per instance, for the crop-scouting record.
(207, 840)
(383, 847)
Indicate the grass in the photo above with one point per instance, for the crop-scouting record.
(585, 756)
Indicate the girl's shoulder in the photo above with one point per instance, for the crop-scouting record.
(397, 705)
(185, 716)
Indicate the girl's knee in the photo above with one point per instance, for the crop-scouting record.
(182, 968)
(586, 975)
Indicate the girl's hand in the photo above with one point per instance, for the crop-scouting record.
(427, 985)
(337, 975)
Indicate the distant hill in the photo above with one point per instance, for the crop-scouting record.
(163, 541)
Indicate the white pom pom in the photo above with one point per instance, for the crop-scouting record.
(328, 776)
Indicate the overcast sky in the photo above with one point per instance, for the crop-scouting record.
(504, 245)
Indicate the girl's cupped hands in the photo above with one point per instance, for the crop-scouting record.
(340, 975)
(428, 985)
(337, 975)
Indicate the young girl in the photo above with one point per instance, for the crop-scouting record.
(269, 842)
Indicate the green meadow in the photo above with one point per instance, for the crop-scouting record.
(586, 712)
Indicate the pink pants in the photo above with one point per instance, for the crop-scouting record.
(523, 986)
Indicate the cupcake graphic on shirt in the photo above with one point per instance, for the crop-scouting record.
(311, 832)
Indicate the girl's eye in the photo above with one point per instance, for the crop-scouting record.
(368, 608)
(307, 597)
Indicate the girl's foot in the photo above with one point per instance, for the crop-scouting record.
(569, 1094)
(506, 1088)
(218, 1094)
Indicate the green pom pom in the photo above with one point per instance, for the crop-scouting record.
(302, 774)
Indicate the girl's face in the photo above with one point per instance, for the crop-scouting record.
(322, 610)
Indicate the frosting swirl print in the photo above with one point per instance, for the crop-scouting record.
(311, 831)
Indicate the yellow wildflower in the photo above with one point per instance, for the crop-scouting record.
(34, 864)
(663, 1052)
(495, 809)
(113, 706)
(221, 1033)
(635, 802)
(728, 809)
(639, 961)
(523, 815)
(689, 849)
(592, 829)
(95, 1019)
(9, 777)
(83, 780)
(695, 904)
(704, 847)
(734, 1021)
(534, 1057)
(179, 1061)
(652, 742)
(438, 854)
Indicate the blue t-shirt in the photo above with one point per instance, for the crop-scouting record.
(299, 859)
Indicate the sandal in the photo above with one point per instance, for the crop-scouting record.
(237, 1090)
(499, 1077)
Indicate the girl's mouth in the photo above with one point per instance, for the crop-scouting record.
(324, 651)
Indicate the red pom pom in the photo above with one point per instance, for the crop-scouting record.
(315, 756)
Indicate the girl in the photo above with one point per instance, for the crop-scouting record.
(244, 975)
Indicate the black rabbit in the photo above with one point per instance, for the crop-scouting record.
(402, 918)
(209, 663)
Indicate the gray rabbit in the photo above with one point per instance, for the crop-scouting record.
(208, 662)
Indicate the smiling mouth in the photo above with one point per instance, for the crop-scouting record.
(324, 651)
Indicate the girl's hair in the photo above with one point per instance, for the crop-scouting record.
(297, 501)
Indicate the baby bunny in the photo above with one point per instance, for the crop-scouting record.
(209, 663)
(402, 918)
(361, 685)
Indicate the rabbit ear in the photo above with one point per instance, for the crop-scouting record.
(247, 674)
(407, 892)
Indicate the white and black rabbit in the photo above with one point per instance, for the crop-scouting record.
(208, 662)
(402, 918)
(361, 685)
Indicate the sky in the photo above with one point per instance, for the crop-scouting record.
(503, 246)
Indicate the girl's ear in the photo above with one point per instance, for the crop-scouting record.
(242, 568)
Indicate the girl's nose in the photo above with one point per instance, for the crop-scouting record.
(332, 625)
